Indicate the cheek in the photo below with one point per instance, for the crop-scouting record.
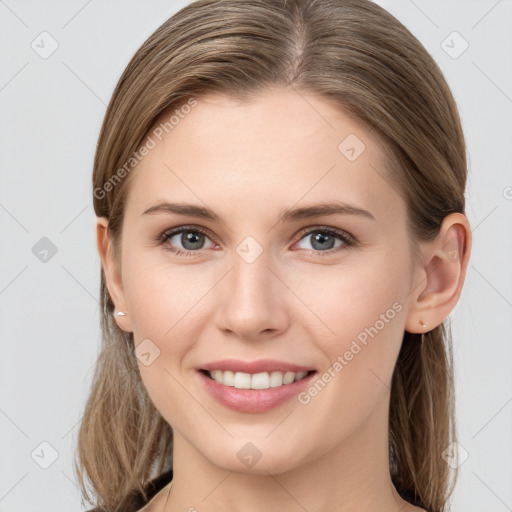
(162, 298)
(164, 309)
(362, 323)
(344, 300)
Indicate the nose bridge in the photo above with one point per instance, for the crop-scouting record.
(250, 302)
(251, 277)
(250, 280)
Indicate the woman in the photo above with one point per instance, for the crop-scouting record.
(279, 186)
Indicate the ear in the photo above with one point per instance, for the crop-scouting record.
(113, 276)
(440, 275)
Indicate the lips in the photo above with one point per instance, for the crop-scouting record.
(255, 386)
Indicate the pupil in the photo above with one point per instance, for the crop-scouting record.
(325, 241)
(190, 238)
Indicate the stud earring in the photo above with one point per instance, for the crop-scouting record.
(119, 313)
(423, 324)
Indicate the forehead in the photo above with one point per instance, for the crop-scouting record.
(275, 150)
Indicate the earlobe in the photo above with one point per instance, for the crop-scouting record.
(441, 277)
(112, 274)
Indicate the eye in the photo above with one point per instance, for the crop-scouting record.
(191, 240)
(327, 240)
(185, 241)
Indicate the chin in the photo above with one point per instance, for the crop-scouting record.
(250, 458)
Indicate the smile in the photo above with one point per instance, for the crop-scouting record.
(262, 380)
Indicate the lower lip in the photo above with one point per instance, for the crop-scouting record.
(253, 400)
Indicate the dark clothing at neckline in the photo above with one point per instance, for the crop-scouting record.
(135, 501)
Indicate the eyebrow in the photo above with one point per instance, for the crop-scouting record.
(305, 212)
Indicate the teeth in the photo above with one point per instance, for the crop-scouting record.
(263, 380)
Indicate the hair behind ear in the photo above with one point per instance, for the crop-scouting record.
(422, 409)
(121, 423)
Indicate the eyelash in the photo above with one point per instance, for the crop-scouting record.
(348, 240)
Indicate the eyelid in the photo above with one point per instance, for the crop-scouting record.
(169, 233)
(189, 227)
(326, 229)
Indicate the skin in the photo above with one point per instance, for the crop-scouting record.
(248, 162)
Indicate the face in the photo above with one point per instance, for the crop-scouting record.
(269, 277)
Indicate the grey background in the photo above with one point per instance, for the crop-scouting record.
(51, 111)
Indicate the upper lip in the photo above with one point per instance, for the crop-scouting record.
(259, 366)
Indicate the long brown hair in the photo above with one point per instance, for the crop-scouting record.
(356, 55)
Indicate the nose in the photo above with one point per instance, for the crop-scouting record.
(253, 301)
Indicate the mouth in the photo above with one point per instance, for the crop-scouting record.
(262, 386)
(256, 381)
